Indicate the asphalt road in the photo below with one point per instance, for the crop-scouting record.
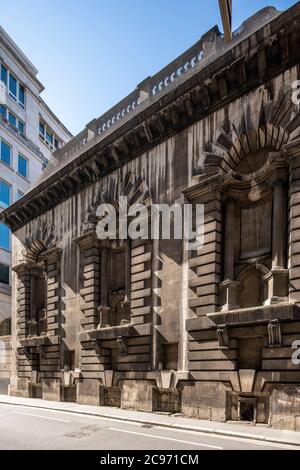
(23, 428)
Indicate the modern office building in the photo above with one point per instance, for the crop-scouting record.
(29, 133)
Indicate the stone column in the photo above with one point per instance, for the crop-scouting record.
(277, 278)
(229, 286)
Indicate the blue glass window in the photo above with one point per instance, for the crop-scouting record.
(4, 194)
(4, 74)
(2, 111)
(4, 274)
(4, 236)
(22, 95)
(20, 194)
(49, 138)
(22, 166)
(12, 86)
(5, 153)
(21, 127)
(42, 128)
(12, 120)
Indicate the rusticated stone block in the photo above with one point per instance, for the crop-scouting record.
(137, 395)
(284, 399)
(19, 387)
(51, 389)
(110, 396)
(204, 400)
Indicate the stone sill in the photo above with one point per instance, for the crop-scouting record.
(283, 311)
(5, 337)
(113, 332)
(247, 316)
(39, 341)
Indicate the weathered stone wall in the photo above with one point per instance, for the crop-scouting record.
(210, 331)
(157, 282)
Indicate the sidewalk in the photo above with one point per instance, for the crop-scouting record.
(245, 431)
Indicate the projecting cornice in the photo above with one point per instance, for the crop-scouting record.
(199, 92)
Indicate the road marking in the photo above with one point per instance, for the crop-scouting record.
(39, 416)
(234, 438)
(166, 438)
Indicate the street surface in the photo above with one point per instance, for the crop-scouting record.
(23, 428)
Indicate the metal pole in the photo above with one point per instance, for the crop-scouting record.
(226, 14)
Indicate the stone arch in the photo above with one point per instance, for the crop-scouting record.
(40, 239)
(253, 288)
(5, 327)
(267, 129)
(134, 188)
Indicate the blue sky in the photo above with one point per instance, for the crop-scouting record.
(92, 53)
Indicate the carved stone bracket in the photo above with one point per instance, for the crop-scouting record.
(122, 344)
(274, 331)
(97, 346)
(223, 337)
(41, 351)
(25, 351)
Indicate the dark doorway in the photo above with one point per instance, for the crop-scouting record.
(247, 411)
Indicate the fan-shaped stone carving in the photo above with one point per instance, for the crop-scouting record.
(42, 238)
(268, 128)
(134, 188)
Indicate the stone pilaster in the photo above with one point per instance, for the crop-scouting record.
(23, 300)
(103, 308)
(52, 262)
(140, 284)
(205, 263)
(229, 241)
(293, 153)
(90, 261)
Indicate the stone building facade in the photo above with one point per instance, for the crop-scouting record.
(148, 324)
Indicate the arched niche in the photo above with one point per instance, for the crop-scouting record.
(39, 261)
(112, 257)
(252, 286)
(247, 156)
